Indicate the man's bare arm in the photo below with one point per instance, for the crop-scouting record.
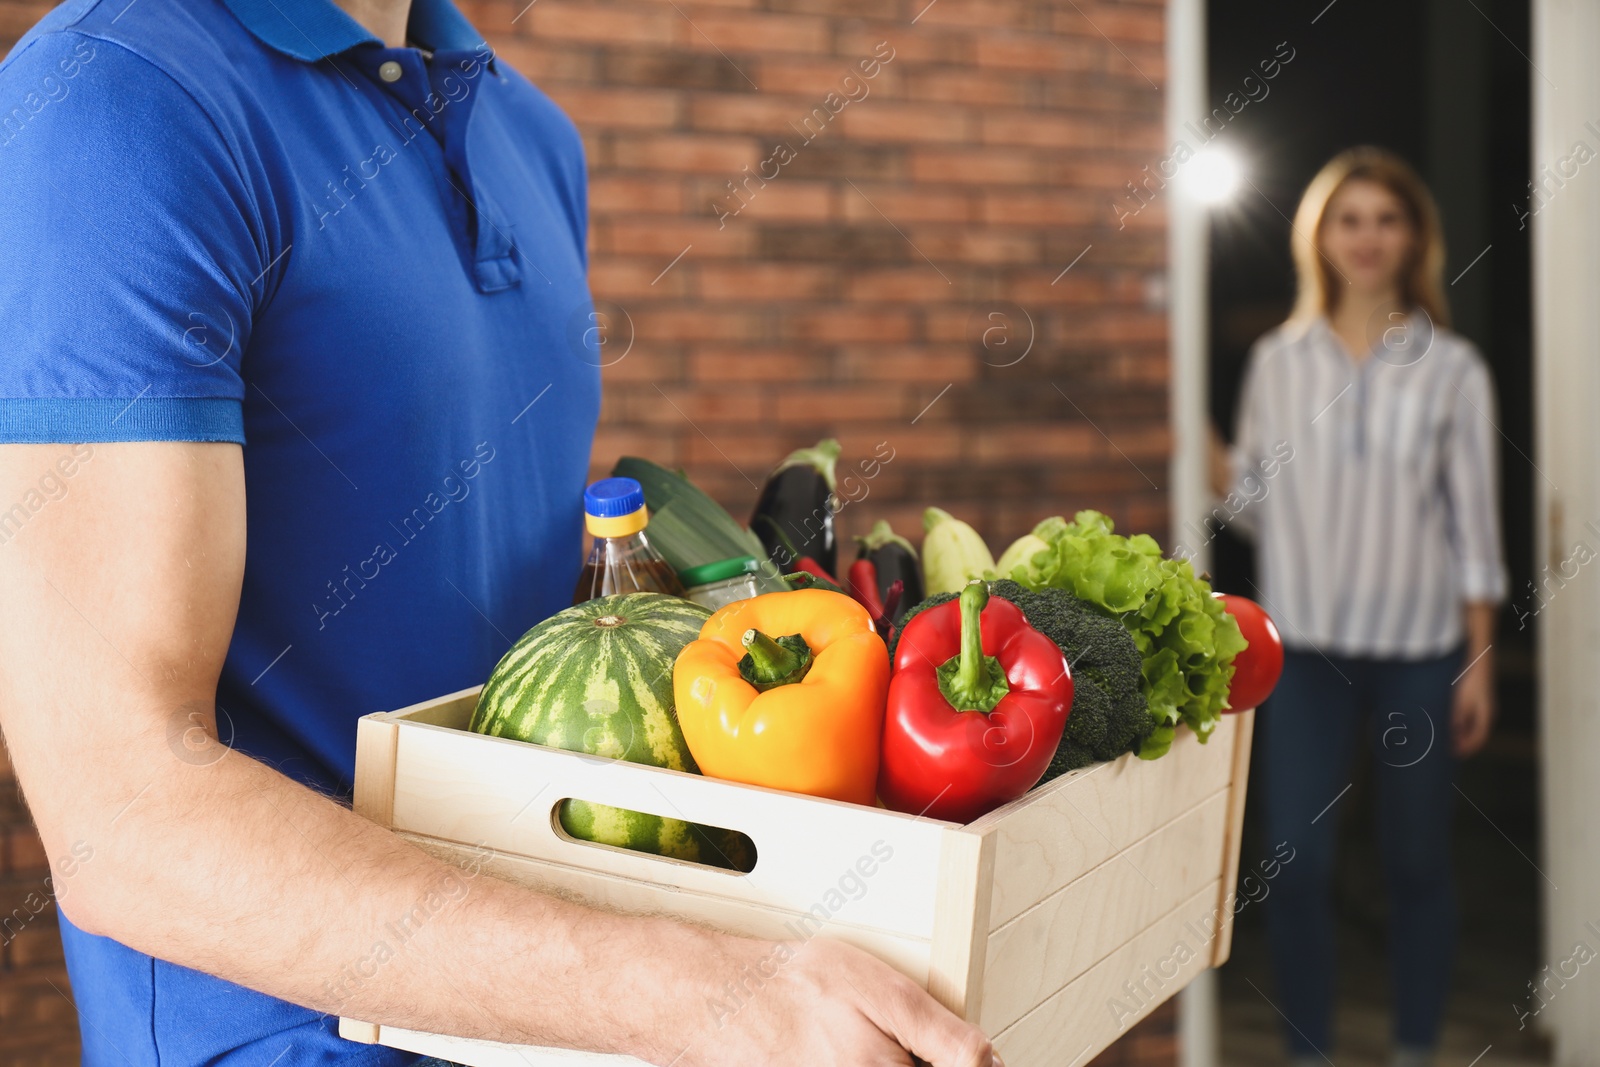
(121, 596)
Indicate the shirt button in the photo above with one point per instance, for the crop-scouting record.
(390, 71)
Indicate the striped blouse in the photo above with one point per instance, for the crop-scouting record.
(1370, 488)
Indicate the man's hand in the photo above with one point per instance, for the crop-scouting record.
(121, 592)
(828, 1003)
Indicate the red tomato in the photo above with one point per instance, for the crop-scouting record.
(1256, 669)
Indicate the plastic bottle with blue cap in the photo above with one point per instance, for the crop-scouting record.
(622, 560)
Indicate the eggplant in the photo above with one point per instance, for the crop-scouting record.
(895, 561)
(794, 515)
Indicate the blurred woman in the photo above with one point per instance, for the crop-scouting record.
(1380, 560)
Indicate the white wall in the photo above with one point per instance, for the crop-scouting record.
(1566, 261)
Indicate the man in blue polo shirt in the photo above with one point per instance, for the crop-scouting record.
(310, 277)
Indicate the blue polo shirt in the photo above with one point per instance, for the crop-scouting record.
(249, 221)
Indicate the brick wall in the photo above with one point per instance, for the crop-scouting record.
(38, 1026)
(852, 293)
(779, 264)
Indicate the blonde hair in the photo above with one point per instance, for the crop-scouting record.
(1421, 278)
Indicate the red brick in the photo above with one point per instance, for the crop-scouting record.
(692, 322)
(764, 32)
(646, 361)
(675, 70)
(748, 363)
(912, 365)
(611, 444)
(491, 17)
(1097, 172)
(908, 446)
(26, 852)
(951, 324)
(745, 453)
(1001, 88)
(782, 200)
(1121, 22)
(1147, 63)
(847, 324)
(613, 194)
(831, 405)
(1042, 130)
(706, 405)
(628, 279)
(904, 203)
(891, 285)
(687, 153)
(546, 64)
(667, 237)
(883, 120)
(780, 282)
(693, 7)
(1030, 207)
(947, 246)
(812, 79)
(1018, 52)
(603, 24)
(978, 14)
(995, 166)
(766, 115)
(17, 18)
(1081, 285)
(633, 109)
(933, 44)
(37, 945)
(1050, 442)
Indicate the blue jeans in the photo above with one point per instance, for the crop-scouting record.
(1308, 733)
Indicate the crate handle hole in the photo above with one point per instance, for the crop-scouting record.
(677, 840)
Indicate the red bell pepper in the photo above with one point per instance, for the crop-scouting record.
(977, 704)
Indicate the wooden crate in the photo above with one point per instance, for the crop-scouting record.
(1055, 922)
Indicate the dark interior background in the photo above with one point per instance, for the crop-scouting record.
(1446, 84)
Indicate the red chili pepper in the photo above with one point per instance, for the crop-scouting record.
(977, 704)
(811, 566)
(864, 587)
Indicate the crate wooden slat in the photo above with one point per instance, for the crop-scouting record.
(1030, 921)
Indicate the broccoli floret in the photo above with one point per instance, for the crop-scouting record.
(1110, 715)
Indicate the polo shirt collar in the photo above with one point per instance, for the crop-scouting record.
(311, 30)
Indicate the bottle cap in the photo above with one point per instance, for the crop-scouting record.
(722, 569)
(614, 507)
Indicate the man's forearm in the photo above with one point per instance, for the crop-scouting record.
(296, 896)
(124, 595)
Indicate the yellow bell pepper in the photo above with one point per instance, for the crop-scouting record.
(787, 690)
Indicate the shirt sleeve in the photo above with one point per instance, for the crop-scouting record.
(1473, 486)
(128, 258)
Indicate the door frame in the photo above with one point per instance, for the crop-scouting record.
(1566, 373)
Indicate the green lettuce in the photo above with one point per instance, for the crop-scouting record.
(1188, 641)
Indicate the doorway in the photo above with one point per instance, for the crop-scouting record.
(1446, 84)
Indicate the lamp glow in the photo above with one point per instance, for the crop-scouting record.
(1212, 176)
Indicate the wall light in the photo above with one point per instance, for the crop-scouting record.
(1212, 176)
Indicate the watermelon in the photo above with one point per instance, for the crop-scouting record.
(597, 679)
